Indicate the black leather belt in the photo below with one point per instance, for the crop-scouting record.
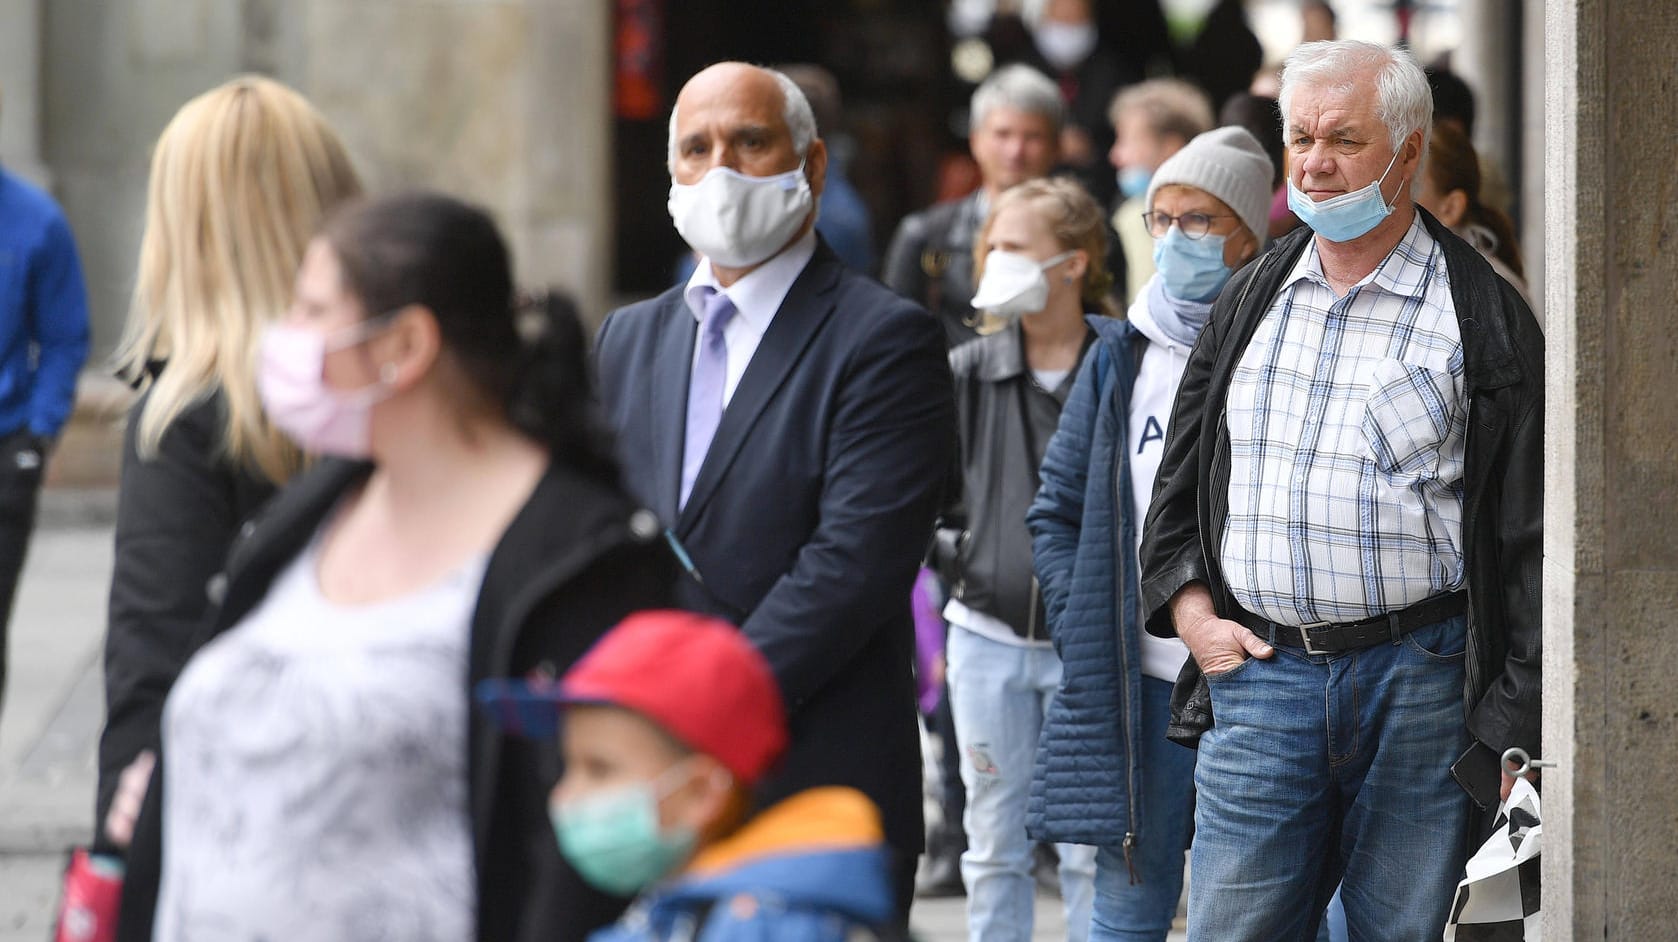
(1332, 638)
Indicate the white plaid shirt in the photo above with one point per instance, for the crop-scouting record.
(1346, 425)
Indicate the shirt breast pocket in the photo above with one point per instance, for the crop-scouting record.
(1406, 418)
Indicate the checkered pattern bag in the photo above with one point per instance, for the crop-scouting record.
(1497, 901)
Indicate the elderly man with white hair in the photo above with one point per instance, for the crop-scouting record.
(1346, 535)
(791, 423)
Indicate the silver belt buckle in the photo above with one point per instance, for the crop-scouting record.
(1305, 636)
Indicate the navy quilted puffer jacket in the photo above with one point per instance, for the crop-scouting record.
(1086, 779)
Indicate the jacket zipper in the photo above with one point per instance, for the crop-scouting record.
(1220, 458)
(1120, 553)
(1031, 612)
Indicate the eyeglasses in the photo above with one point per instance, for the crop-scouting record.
(1194, 225)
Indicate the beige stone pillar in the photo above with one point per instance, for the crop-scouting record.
(1611, 521)
(504, 103)
(20, 89)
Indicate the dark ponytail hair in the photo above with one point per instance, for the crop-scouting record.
(526, 356)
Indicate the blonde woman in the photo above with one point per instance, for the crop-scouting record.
(241, 178)
(1040, 259)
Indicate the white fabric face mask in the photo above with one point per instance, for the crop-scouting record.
(1013, 284)
(737, 221)
(1065, 45)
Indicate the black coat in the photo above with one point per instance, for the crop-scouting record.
(1503, 509)
(177, 513)
(983, 549)
(811, 512)
(930, 262)
(578, 558)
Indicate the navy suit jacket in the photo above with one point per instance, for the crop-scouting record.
(812, 510)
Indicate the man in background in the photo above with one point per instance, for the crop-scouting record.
(43, 343)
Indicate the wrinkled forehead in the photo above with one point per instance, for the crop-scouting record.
(1322, 107)
(730, 98)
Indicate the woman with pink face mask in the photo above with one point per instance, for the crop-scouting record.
(321, 774)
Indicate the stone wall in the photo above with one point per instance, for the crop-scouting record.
(504, 103)
(1611, 514)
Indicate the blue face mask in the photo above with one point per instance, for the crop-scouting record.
(1192, 269)
(1347, 216)
(1133, 182)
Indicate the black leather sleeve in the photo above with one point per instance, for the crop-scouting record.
(1510, 713)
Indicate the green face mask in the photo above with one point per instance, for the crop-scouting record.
(613, 840)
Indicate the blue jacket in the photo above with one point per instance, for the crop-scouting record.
(43, 311)
(810, 869)
(1086, 780)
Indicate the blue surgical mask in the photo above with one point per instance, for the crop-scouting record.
(613, 839)
(1347, 216)
(1133, 182)
(1192, 269)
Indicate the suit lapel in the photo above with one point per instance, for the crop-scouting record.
(796, 324)
(672, 365)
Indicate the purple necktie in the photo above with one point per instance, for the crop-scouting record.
(710, 369)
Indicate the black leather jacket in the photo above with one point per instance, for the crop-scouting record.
(1503, 353)
(983, 549)
(930, 262)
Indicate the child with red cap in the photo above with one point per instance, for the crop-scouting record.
(668, 723)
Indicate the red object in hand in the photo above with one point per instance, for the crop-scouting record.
(92, 897)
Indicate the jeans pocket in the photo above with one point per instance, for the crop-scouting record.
(1225, 675)
(1444, 641)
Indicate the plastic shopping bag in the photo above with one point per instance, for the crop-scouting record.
(1497, 901)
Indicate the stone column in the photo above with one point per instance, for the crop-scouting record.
(1531, 190)
(20, 89)
(1611, 501)
(1490, 46)
(503, 103)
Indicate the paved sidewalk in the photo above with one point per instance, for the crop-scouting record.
(49, 724)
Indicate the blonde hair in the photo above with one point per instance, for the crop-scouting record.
(1171, 106)
(1075, 221)
(240, 180)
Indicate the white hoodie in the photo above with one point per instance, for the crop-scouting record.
(1150, 418)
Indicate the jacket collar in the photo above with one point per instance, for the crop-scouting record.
(1489, 359)
(1001, 356)
(821, 847)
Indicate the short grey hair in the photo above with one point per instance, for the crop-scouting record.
(1404, 102)
(1020, 87)
(800, 119)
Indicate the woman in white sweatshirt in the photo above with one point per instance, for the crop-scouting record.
(1105, 773)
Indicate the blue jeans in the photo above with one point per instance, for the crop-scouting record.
(1325, 770)
(1165, 824)
(1000, 694)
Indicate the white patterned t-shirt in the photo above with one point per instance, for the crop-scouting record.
(315, 760)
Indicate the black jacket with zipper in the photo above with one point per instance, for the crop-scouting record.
(577, 558)
(178, 511)
(983, 549)
(1503, 357)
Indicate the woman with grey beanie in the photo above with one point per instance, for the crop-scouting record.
(1105, 773)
